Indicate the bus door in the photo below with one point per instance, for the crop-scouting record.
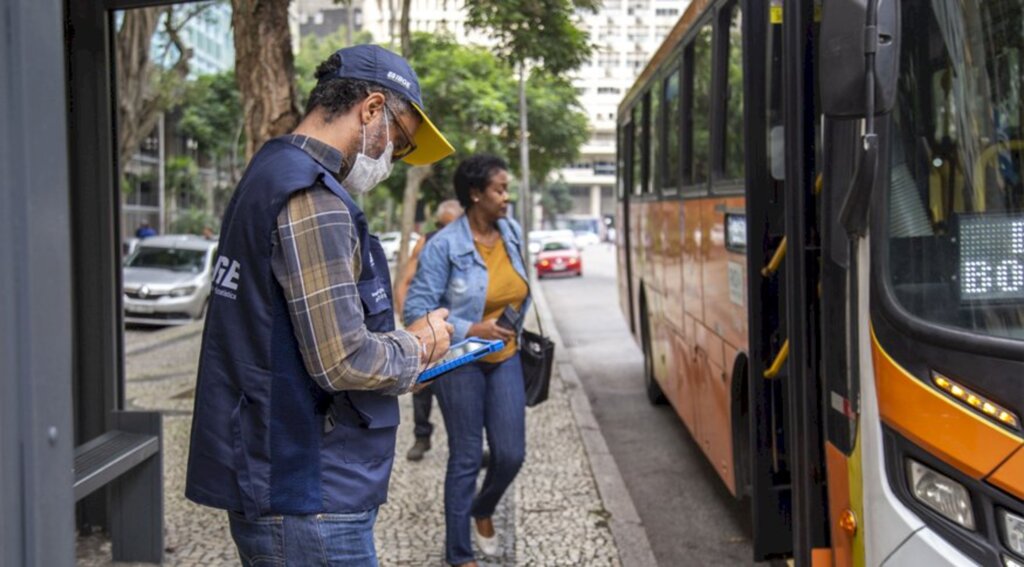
(776, 292)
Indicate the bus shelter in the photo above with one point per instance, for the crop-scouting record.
(70, 457)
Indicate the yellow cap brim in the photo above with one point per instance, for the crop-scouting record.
(431, 145)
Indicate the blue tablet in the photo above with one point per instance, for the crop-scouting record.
(462, 353)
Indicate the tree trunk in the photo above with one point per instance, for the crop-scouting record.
(414, 178)
(350, 22)
(265, 70)
(406, 36)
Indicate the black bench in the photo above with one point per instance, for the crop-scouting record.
(128, 459)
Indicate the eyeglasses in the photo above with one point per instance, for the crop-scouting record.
(410, 145)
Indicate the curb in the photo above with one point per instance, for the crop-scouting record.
(626, 527)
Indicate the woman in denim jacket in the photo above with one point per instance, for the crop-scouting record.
(474, 267)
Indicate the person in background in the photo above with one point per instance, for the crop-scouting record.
(423, 400)
(474, 267)
(293, 432)
(144, 230)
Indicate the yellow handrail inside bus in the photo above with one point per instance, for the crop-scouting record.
(780, 359)
(984, 161)
(776, 261)
(819, 184)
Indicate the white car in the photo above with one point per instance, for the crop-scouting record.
(390, 240)
(167, 279)
(584, 238)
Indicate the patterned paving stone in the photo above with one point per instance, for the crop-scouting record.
(553, 515)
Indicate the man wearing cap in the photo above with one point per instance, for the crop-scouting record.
(295, 411)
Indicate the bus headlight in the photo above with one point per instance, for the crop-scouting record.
(1011, 562)
(940, 493)
(1013, 532)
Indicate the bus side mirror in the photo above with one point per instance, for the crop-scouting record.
(841, 61)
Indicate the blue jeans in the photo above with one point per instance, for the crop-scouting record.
(472, 398)
(318, 539)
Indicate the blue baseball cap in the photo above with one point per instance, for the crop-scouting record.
(377, 65)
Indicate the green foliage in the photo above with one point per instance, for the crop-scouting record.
(540, 31)
(182, 181)
(558, 127)
(555, 199)
(193, 221)
(212, 114)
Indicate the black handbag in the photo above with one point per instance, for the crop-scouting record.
(537, 354)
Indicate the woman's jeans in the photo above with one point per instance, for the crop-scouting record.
(474, 397)
(341, 540)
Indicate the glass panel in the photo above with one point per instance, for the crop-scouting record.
(672, 171)
(638, 149)
(657, 127)
(620, 163)
(734, 98)
(701, 117)
(956, 224)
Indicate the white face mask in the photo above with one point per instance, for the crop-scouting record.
(367, 172)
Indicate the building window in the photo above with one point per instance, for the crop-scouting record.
(609, 90)
(666, 12)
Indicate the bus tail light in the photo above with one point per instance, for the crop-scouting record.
(940, 493)
(976, 401)
(1013, 532)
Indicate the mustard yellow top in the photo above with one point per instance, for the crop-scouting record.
(504, 287)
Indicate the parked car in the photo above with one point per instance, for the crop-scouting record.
(559, 256)
(167, 279)
(390, 240)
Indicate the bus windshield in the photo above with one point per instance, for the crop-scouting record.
(956, 224)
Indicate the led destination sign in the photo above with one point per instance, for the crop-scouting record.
(991, 257)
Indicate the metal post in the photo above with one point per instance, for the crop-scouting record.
(526, 210)
(36, 436)
(161, 172)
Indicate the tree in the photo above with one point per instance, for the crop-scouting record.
(265, 70)
(212, 116)
(144, 88)
(560, 126)
(555, 199)
(537, 32)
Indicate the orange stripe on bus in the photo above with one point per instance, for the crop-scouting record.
(838, 502)
(936, 423)
(1010, 476)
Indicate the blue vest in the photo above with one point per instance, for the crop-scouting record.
(265, 438)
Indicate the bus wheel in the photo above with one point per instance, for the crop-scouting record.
(654, 393)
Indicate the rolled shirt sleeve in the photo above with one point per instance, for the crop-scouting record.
(317, 262)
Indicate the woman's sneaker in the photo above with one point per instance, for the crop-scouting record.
(489, 546)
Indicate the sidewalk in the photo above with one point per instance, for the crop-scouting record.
(553, 515)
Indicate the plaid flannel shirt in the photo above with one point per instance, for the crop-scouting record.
(316, 259)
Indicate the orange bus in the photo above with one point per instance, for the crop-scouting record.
(820, 234)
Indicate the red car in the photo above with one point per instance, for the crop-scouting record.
(558, 257)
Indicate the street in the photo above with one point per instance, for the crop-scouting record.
(689, 516)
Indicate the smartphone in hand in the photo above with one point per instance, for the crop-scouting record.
(509, 318)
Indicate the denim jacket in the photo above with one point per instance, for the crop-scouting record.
(452, 274)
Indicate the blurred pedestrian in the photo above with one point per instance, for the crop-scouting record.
(144, 230)
(474, 267)
(295, 409)
(423, 400)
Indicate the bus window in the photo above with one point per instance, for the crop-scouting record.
(620, 162)
(672, 156)
(654, 138)
(956, 185)
(701, 107)
(637, 156)
(734, 97)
